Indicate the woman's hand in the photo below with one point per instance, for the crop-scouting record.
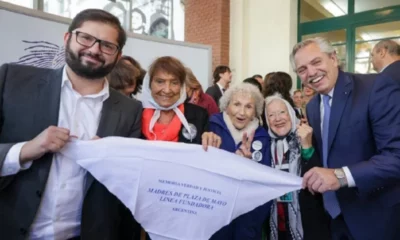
(245, 148)
(305, 132)
(210, 139)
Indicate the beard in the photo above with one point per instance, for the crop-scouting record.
(88, 70)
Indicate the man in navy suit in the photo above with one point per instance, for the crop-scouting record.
(356, 122)
(385, 58)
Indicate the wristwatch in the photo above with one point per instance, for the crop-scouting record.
(341, 176)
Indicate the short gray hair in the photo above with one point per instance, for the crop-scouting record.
(246, 88)
(391, 46)
(323, 44)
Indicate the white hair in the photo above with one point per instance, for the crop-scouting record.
(246, 88)
(322, 43)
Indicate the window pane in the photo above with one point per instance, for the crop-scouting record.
(335, 37)
(341, 54)
(367, 37)
(312, 10)
(160, 18)
(23, 3)
(69, 8)
(378, 31)
(365, 5)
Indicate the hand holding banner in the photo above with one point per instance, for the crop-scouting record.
(177, 190)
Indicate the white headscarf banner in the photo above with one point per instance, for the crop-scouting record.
(177, 190)
(148, 102)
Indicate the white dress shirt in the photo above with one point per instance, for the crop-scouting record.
(221, 88)
(59, 213)
(349, 176)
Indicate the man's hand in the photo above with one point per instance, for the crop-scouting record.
(305, 132)
(51, 139)
(321, 180)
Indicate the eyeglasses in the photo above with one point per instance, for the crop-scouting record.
(88, 40)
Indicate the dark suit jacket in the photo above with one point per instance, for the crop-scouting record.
(197, 116)
(364, 134)
(393, 71)
(29, 103)
(215, 92)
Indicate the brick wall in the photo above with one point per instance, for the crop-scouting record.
(207, 22)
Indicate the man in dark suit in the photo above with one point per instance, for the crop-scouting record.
(385, 58)
(44, 195)
(356, 123)
(222, 78)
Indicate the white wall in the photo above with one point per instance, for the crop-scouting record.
(262, 34)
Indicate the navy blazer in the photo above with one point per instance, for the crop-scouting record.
(215, 92)
(364, 134)
(393, 71)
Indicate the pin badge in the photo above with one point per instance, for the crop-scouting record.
(192, 134)
(257, 145)
(256, 156)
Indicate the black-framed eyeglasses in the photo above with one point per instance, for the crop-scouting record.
(88, 40)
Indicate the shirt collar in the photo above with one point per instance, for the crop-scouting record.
(384, 68)
(103, 94)
(220, 86)
(330, 93)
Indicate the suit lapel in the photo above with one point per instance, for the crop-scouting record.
(315, 120)
(341, 94)
(109, 120)
(48, 106)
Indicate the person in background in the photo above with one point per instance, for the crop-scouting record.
(254, 82)
(259, 78)
(241, 133)
(299, 103)
(356, 126)
(263, 120)
(222, 78)
(196, 95)
(298, 98)
(139, 79)
(385, 58)
(298, 214)
(43, 194)
(308, 93)
(123, 78)
(280, 82)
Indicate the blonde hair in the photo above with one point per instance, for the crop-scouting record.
(191, 80)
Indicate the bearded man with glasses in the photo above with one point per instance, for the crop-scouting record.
(43, 194)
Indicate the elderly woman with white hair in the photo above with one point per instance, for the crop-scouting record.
(240, 131)
(296, 215)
